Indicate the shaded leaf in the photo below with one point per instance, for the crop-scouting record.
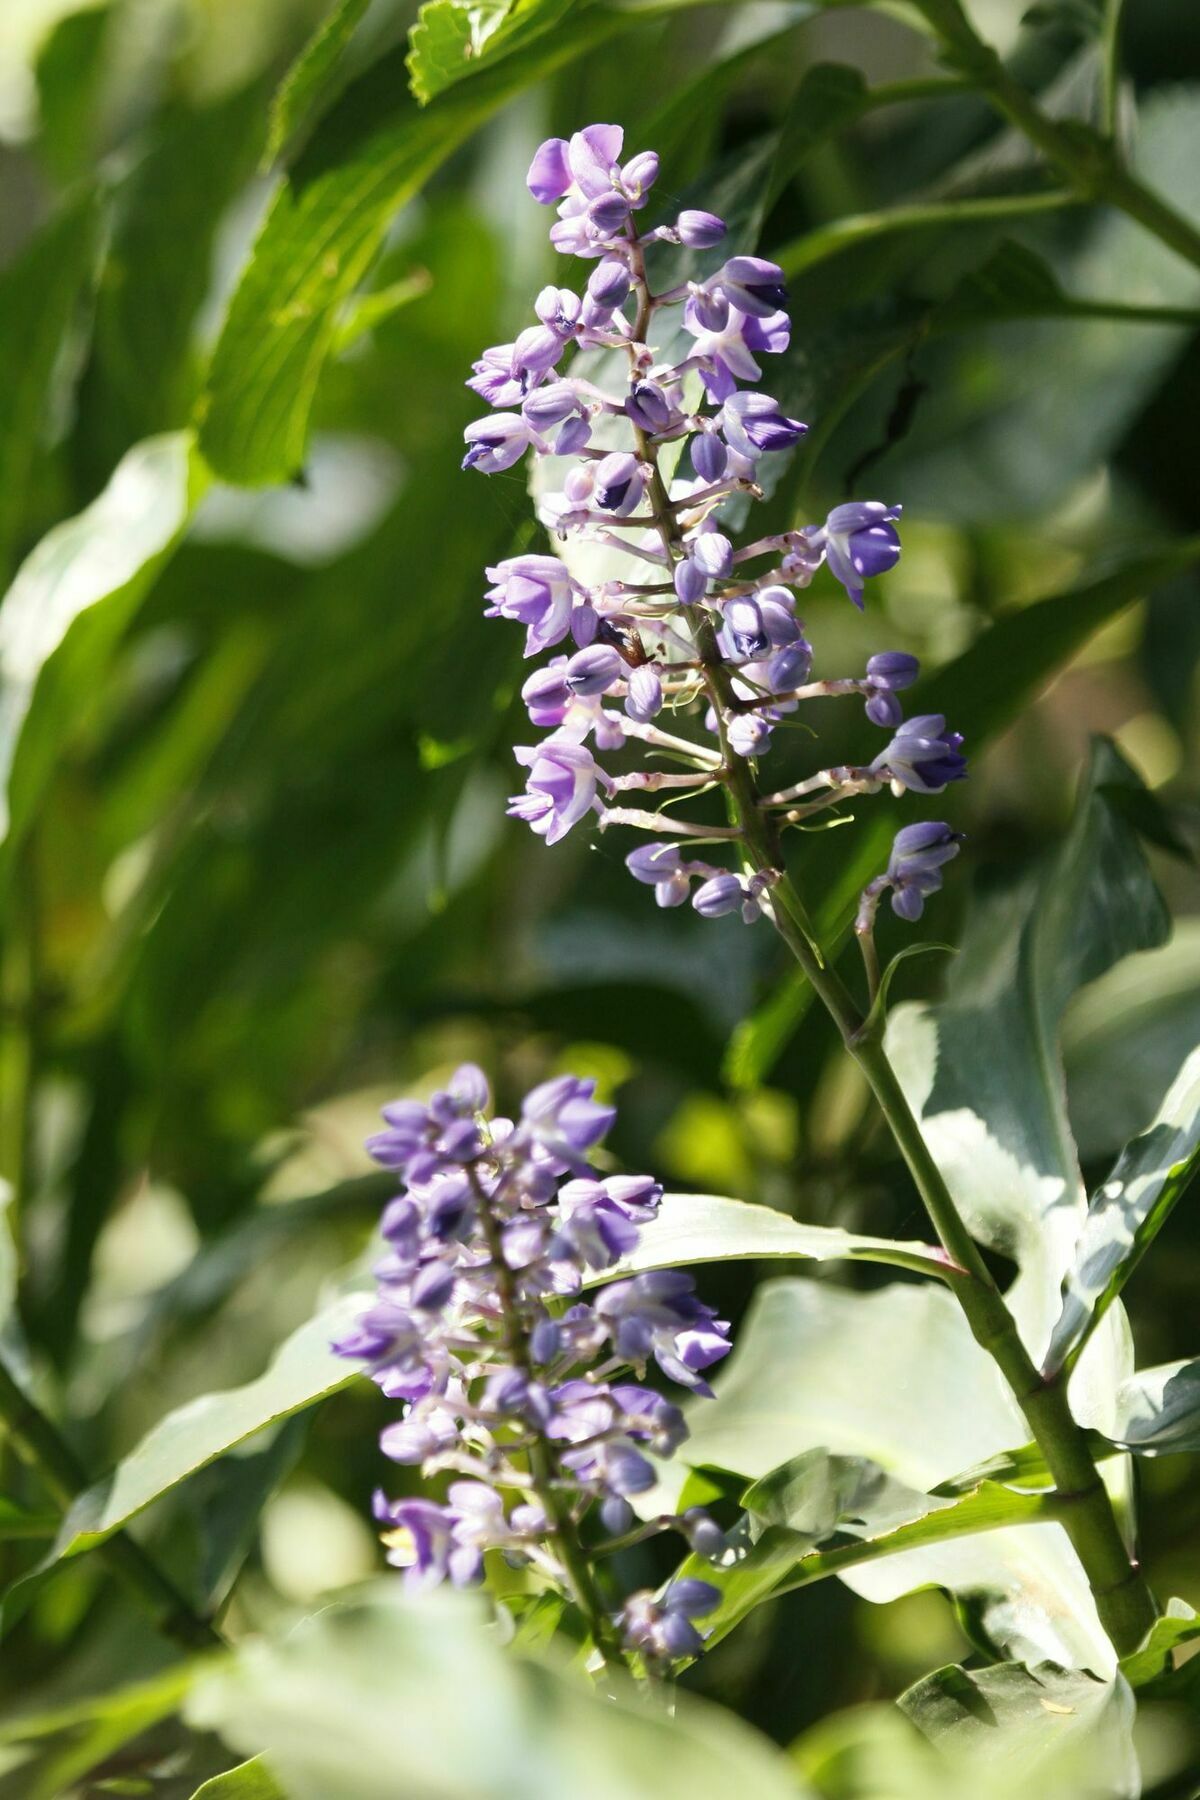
(1016, 283)
(303, 1370)
(982, 1068)
(451, 38)
(312, 78)
(990, 684)
(69, 604)
(795, 1509)
(38, 297)
(1127, 1213)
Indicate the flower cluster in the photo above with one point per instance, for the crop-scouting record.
(535, 1399)
(655, 429)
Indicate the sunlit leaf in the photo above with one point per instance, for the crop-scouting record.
(1063, 1729)
(251, 1780)
(700, 1228)
(402, 1694)
(894, 1376)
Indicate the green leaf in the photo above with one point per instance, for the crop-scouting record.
(990, 684)
(69, 604)
(451, 38)
(700, 1228)
(312, 78)
(402, 1694)
(895, 1376)
(1157, 1411)
(1127, 1213)
(796, 1508)
(146, 366)
(1062, 1730)
(303, 1370)
(369, 156)
(251, 1780)
(18, 1522)
(982, 1068)
(39, 294)
(1015, 283)
(68, 1741)
(1179, 1624)
(1125, 1037)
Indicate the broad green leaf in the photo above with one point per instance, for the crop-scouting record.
(911, 223)
(794, 1510)
(895, 1376)
(369, 156)
(982, 1068)
(1062, 1731)
(39, 293)
(70, 73)
(312, 78)
(1127, 1213)
(303, 1370)
(402, 1694)
(451, 38)
(700, 1228)
(71, 600)
(990, 684)
(251, 1780)
(146, 366)
(1179, 1624)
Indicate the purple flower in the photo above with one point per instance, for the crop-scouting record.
(564, 1119)
(661, 867)
(709, 456)
(753, 285)
(699, 230)
(860, 541)
(754, 423)
(728, 341)
(662, 1629)
(538, 593)
(560, 787)
(497, 442)
(728, 893)
(923, 755)
(914, 868)
(659, 1315)
(593, 671)
(887, 674)
(644, 695)
(620, 481)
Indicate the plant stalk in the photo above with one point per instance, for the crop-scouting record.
(1123, 1599)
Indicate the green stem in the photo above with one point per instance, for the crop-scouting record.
(1110, 64)
(1124, 1602)
(45, 1450)
(1087, 159)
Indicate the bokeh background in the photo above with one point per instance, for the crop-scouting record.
(270, 883)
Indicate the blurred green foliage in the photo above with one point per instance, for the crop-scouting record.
(256, 737)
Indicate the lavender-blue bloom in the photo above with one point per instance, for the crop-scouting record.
(651, 456)
(923, 755)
